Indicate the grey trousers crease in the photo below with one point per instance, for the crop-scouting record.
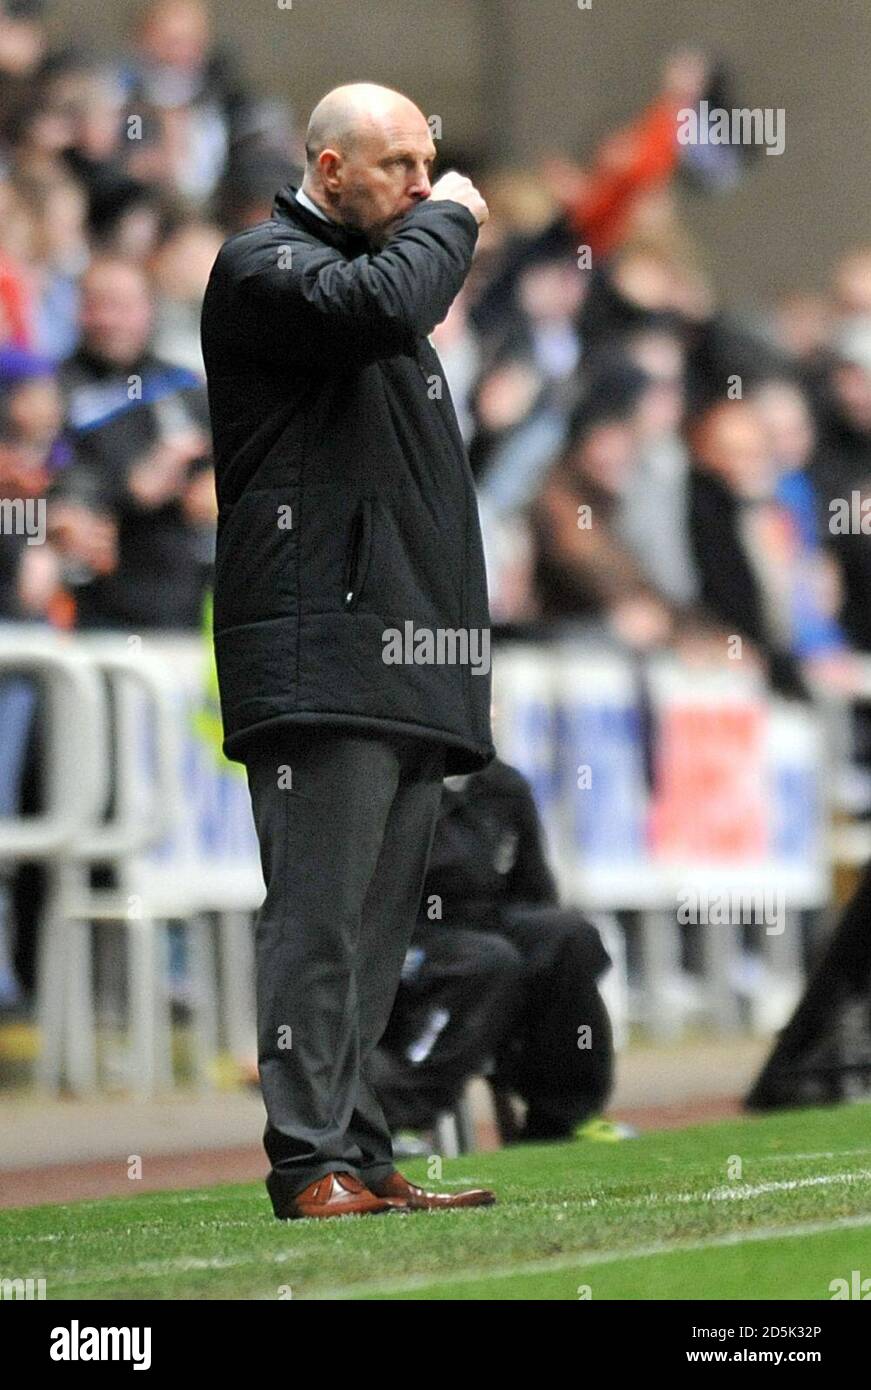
(344, 850)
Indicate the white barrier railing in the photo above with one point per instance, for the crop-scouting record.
(182, 845)
(735, 816)
(737, 808)
(76, 767)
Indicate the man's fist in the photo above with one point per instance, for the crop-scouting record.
(461, 190)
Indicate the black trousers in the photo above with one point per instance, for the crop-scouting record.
(345, 823)
(460, 991)
(842, 973)
(524, 996)
(559, 1053)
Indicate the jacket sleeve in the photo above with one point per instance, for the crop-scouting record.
(321, 305)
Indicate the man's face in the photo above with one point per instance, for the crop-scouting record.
(732, 444)
(115, 314)
(852, 385)
(382, 177)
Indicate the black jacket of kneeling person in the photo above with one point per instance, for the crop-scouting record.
(499, 973)
(347, 509)
(488, 867)
(487, 854)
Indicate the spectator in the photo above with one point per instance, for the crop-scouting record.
(180, 272)
(24, 49)
(59, 253)
(842, 468)
(817, 588)
(583, 570)
(139, 429)
(195, 101)
(540, 353)
(16, 297)
(33, 455)
(631, 164)
(743, 539)
(656, 501)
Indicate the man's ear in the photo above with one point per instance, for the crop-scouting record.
(330, 165)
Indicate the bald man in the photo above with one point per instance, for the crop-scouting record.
(351, 614)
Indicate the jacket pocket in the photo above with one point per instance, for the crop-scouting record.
(256, 557)
(358, 555)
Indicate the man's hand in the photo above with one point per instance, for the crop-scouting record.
(84, 535)
(161, 475)
(461, 190)
(199, 503)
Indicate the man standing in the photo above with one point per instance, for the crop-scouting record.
(351, 616)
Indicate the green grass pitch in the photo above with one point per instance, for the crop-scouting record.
(777, 1207)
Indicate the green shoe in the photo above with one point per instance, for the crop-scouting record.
(603, 1131)
(408, 1143)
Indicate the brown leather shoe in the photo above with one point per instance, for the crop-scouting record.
(337, 1194)
(413, 1198)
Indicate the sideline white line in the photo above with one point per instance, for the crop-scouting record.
(739, 1192)
(580, 1261)
(725, 1193)
(800, 1158)
(190, 1264)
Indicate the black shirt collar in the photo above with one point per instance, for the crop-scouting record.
(345, 239)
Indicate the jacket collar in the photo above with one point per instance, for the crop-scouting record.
(344, 239)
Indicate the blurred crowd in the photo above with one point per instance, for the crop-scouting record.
(119, 180)
(653, 466)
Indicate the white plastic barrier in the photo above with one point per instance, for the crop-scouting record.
(138, 696)
(211, 849)
(735, 820)
(76, 763)
(182, 844)
(738, 809)
(179, 838)
(211, 844)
